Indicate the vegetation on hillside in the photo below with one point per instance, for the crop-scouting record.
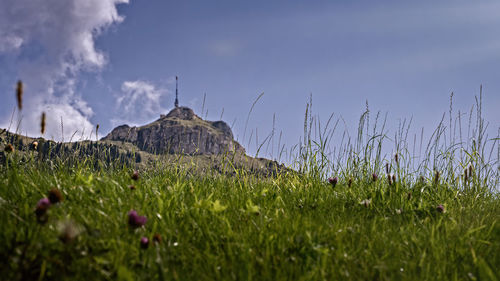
(376, 218)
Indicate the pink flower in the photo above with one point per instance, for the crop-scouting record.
(135, 220)
(333, 181)
(41, 209)
(144, 242)
(440, 209)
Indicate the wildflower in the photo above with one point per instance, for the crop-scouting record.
(34, 145)
(333, 181)
(135, 175)
(42, 206)
(19, 94)
(55, 196)
(42, 123)
(134, 220)
(132, 187)
(374, 177)
(366, 202)
(68, 231)
(9, 148)
(440, 209)
(144, 242)
(157, 238)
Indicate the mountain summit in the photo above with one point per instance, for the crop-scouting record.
(181, 131)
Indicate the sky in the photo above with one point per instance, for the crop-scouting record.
(113, 62)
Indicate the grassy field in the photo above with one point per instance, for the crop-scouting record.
(243, 227)
(377, 218)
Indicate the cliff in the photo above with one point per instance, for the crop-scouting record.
(179, 132)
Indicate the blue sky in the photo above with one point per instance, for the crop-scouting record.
(110, 62)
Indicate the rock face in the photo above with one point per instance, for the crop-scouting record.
(179, 132)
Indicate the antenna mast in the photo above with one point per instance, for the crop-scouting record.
(176, 93)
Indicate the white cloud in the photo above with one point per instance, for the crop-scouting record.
(139, 102)
(52, 42)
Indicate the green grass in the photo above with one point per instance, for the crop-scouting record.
(239, 225)
(290, 227)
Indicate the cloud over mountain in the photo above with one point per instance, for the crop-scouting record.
(138, 102)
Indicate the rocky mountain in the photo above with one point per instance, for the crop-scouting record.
(181, 131)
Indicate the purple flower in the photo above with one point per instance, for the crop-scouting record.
(440, 209)
(135, 220)
(41, 209)
(333, 181)
(144, 242)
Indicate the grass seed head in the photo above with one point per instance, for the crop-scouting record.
(374, 177)
(387, 170)
(55, 196)
(131, 187)
(436, 177)
(9, 148)
(19, 94)
(157, 238)
(42, 123)
(349, 182)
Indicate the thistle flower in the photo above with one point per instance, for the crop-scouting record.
(440, 209)
(134, 220)
(55, 196)
(157, 238)
(19, 94)
(42, 206)
(9, 148)
(135, 175)
(374, 177)
(42, 123)
(333, 181)
(144, 242)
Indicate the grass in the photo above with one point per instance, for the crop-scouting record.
(241, 226)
